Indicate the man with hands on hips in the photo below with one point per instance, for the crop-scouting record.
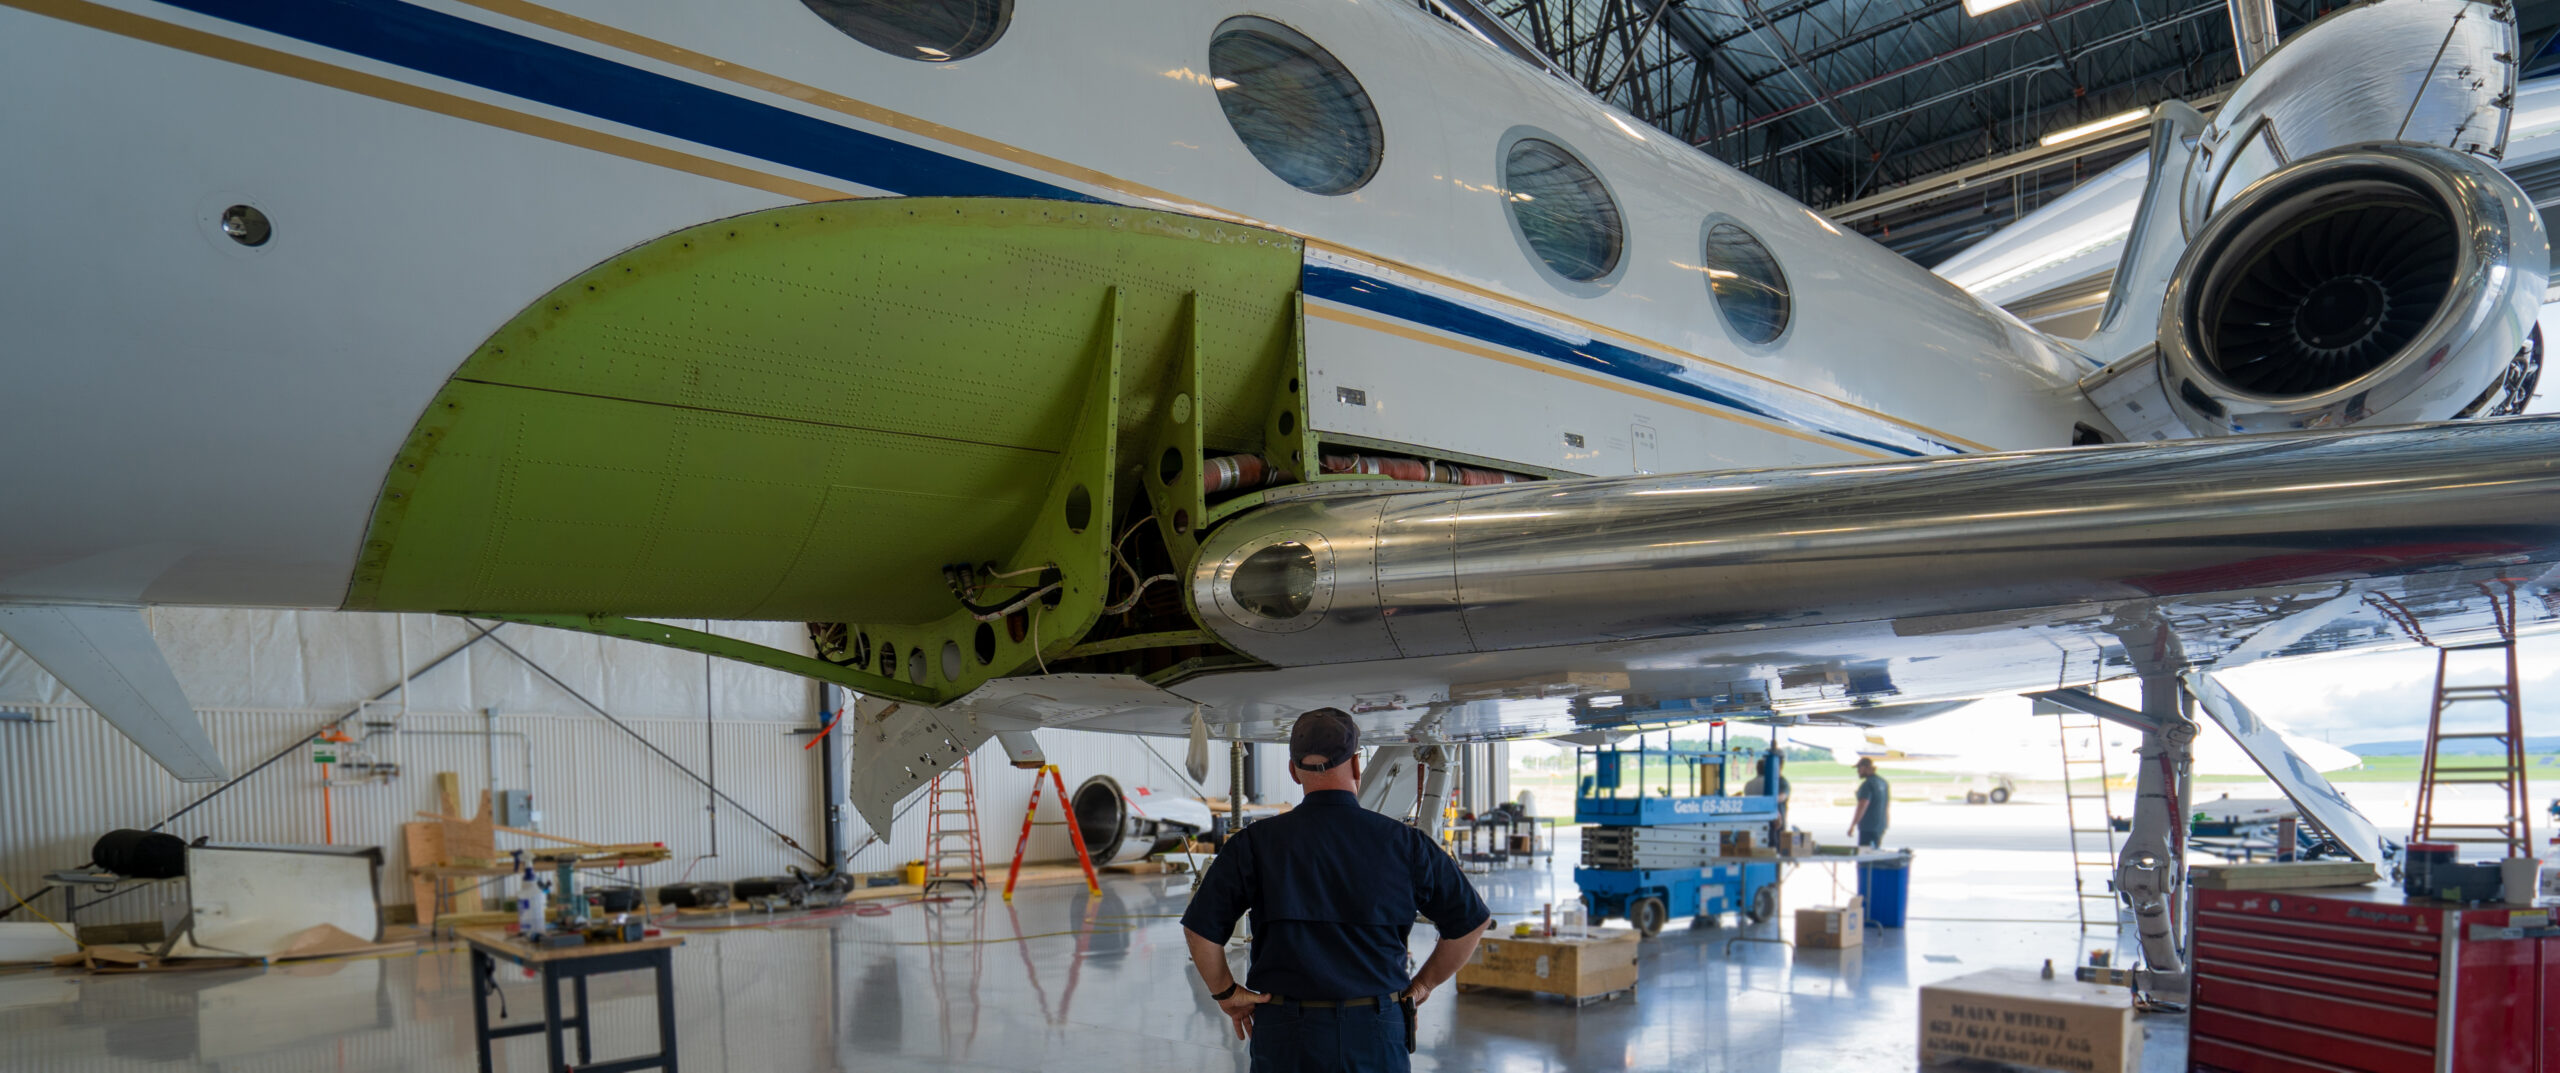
(1334, 889)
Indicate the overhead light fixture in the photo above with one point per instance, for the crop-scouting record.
(1981, 7)
(2120, 119)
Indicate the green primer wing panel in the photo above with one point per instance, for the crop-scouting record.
(803, 413)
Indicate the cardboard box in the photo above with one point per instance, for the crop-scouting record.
(2016, 1017)
(1832, 927)
(1737, 843)
(1795, 843)
(1572, 967)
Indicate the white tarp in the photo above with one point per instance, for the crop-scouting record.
(253, 901)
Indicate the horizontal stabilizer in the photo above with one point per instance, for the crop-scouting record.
(107, 657)
(898, 748)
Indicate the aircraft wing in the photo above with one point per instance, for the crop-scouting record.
(1865, 594)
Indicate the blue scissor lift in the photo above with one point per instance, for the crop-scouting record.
(1667, 805)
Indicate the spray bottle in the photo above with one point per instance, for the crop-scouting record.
(533, 901)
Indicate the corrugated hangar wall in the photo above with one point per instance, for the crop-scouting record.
(263, 680)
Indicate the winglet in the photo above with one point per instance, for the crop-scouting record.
(107, 657)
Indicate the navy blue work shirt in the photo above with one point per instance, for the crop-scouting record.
(1334, 889)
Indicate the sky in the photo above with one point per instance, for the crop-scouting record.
(2383, 696)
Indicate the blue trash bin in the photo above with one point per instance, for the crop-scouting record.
(1886, 885)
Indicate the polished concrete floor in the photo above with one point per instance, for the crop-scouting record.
(1063, 983)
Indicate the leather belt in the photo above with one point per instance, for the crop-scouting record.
(1376, 1001)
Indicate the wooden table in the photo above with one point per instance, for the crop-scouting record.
(575, 963)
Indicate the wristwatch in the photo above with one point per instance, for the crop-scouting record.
(1230, 992)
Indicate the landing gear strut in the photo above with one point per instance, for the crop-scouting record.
(2151, 873)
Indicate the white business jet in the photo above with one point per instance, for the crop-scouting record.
(1169, 367)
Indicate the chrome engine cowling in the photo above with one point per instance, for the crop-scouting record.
(2384, 282)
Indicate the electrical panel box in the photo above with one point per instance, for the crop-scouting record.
(515, 808)
(1604, 774)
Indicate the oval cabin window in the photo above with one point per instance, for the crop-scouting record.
(1750, 290)
(1564, 213)
(932, 31)
(1295, 107)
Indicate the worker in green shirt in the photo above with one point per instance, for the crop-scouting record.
(1874, 797)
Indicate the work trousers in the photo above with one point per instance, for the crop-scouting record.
(1290, 1038)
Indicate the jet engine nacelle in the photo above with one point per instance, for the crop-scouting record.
(2385, 282)
(2425, 72)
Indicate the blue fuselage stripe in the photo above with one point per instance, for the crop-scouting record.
(1431, 311)
(446, 46)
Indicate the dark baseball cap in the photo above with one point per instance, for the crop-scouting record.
(1325, 732)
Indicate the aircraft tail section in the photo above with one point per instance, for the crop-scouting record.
(107, 657)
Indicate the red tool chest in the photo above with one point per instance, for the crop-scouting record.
(2363, 979)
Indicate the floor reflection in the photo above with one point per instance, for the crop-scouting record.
(1060, 982)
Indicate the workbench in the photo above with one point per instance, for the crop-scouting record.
(1833, 861)
(574, 964)
(1502, 830)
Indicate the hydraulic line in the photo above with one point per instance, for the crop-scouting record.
(1403, 468)
(964, 586)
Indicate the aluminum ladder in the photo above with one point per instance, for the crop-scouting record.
(947, 843)
(2505, 693)
(2093, 838)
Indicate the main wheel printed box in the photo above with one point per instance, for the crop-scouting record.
(2016, 1017)
(1573, 967)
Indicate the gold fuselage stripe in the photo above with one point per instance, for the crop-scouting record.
(1403, 331)
(639, 45)
(215, 46)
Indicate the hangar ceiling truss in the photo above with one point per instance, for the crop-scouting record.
(1832, 101)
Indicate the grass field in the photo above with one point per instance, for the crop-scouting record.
(1817, 780)
(2405, 768)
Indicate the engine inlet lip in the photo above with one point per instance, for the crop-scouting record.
(2256, 234)
(2436, 181)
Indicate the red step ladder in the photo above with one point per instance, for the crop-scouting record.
(940, 849)
(1031, 819)
(2515, 832)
